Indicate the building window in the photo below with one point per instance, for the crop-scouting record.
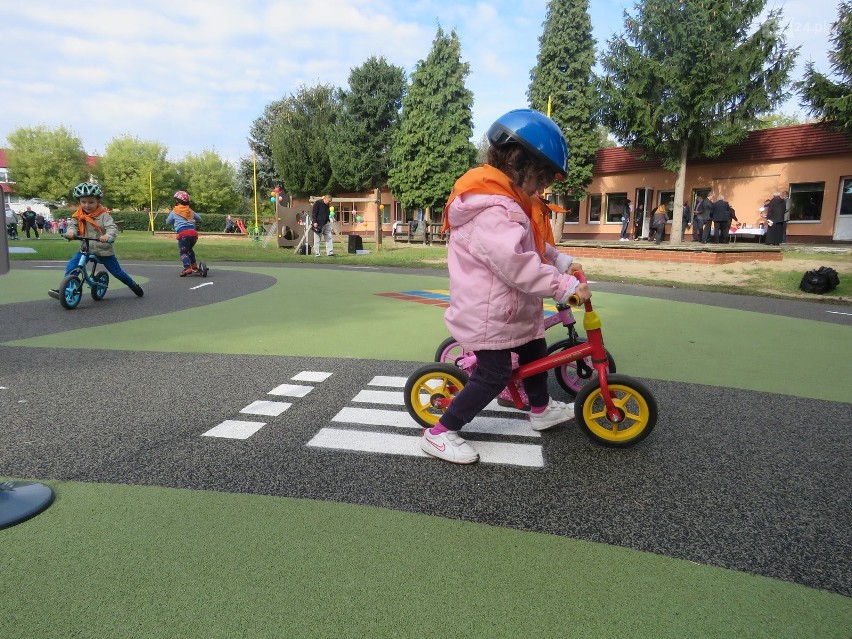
(806, 201)
(572, 215)
(595, 209)
(615, 203)
(4, 175)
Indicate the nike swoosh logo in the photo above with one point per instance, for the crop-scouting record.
(440, 448)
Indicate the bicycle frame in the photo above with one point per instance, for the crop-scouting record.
(85, 257)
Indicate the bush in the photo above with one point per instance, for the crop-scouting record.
(138, 221)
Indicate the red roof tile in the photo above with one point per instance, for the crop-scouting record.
(802, 140)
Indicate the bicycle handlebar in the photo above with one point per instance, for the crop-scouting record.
(574, 299)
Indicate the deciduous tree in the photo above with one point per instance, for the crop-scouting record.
(211, 183)
(127, 166)
(45, 163)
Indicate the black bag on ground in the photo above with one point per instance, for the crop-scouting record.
(819, 281)
(304, 249)
(355, 243)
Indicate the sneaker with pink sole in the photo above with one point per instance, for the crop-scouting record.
(553, 415)
(448, 446)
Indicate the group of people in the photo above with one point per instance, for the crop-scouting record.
(712, 218)
(94, 221)
(31, 222)
(775, 214)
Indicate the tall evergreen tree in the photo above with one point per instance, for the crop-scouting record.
(360, 142)
(432, 147)
(831, 101)
(299, 141)
(690, 77)
(563, 75)
(45, 163)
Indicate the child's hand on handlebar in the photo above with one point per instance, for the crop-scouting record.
(70, 235)
(582, 293)
(575, 267)
(103, 238)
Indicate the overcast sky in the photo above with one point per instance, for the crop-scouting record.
(194, 75)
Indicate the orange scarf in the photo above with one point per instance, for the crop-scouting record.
(82, 218)
(488, 180)
(184, 211)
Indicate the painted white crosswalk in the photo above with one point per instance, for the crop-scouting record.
(381, 405)
(363, 440)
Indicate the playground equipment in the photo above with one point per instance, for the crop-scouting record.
(241, 226)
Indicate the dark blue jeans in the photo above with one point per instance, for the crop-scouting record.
(110, 263)
(493, 369)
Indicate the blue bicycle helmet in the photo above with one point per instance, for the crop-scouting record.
(88, 189)
(537, 133)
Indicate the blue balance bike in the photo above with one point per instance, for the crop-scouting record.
(71, 288)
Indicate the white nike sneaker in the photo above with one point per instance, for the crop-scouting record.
(448, 446)
(553, 415)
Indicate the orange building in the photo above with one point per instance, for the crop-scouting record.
(810, 163)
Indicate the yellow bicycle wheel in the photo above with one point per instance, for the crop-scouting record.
(636, 404)
(430, 389)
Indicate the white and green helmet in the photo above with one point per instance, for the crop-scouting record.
(88, 189)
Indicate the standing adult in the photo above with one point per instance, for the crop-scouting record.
(661, 217)
(722, 215)
(638, 219)
(707, 217)
(775, 219)
(40, 222)
(625, 221)
(786, 197)
(687, 220)
(321, 224)
(698, 219)
(28, 219)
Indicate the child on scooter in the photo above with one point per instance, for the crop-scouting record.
(184, 218)
(501, 269)
(94, 221)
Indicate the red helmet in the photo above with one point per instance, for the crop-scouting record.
(182, 197)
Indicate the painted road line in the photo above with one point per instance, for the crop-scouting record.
(263, 407)
(390, 382)
(291, 390)
(391, 444)
(234, 429)
(398, 419)
(393, 398)
(192, 288)
(838, 313)
(311, 376)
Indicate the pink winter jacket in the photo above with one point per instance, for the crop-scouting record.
(497, 279)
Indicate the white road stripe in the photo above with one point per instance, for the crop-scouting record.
(311, 376)
(392, 382)
(291, 390)
(838, 313)
(192, 288)
(398, 419)
(263, 407)
(391, 444)
(233, 429)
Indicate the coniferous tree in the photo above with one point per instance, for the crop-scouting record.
(299, 141)
(827, 100)
(360, 142)
(432, 147)
(563, 77)
(690, 77)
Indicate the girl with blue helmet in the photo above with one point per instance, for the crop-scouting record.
(501, 268)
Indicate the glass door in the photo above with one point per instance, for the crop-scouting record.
(843, 225)
(642, 210)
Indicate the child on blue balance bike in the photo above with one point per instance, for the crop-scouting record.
(94, 220)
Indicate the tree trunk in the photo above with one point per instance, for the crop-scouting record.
(378, 195)
(677, 205)
(558, 222)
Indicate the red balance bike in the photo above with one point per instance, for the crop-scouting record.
(612, 409)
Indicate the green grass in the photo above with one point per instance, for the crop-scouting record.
(139, 245)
